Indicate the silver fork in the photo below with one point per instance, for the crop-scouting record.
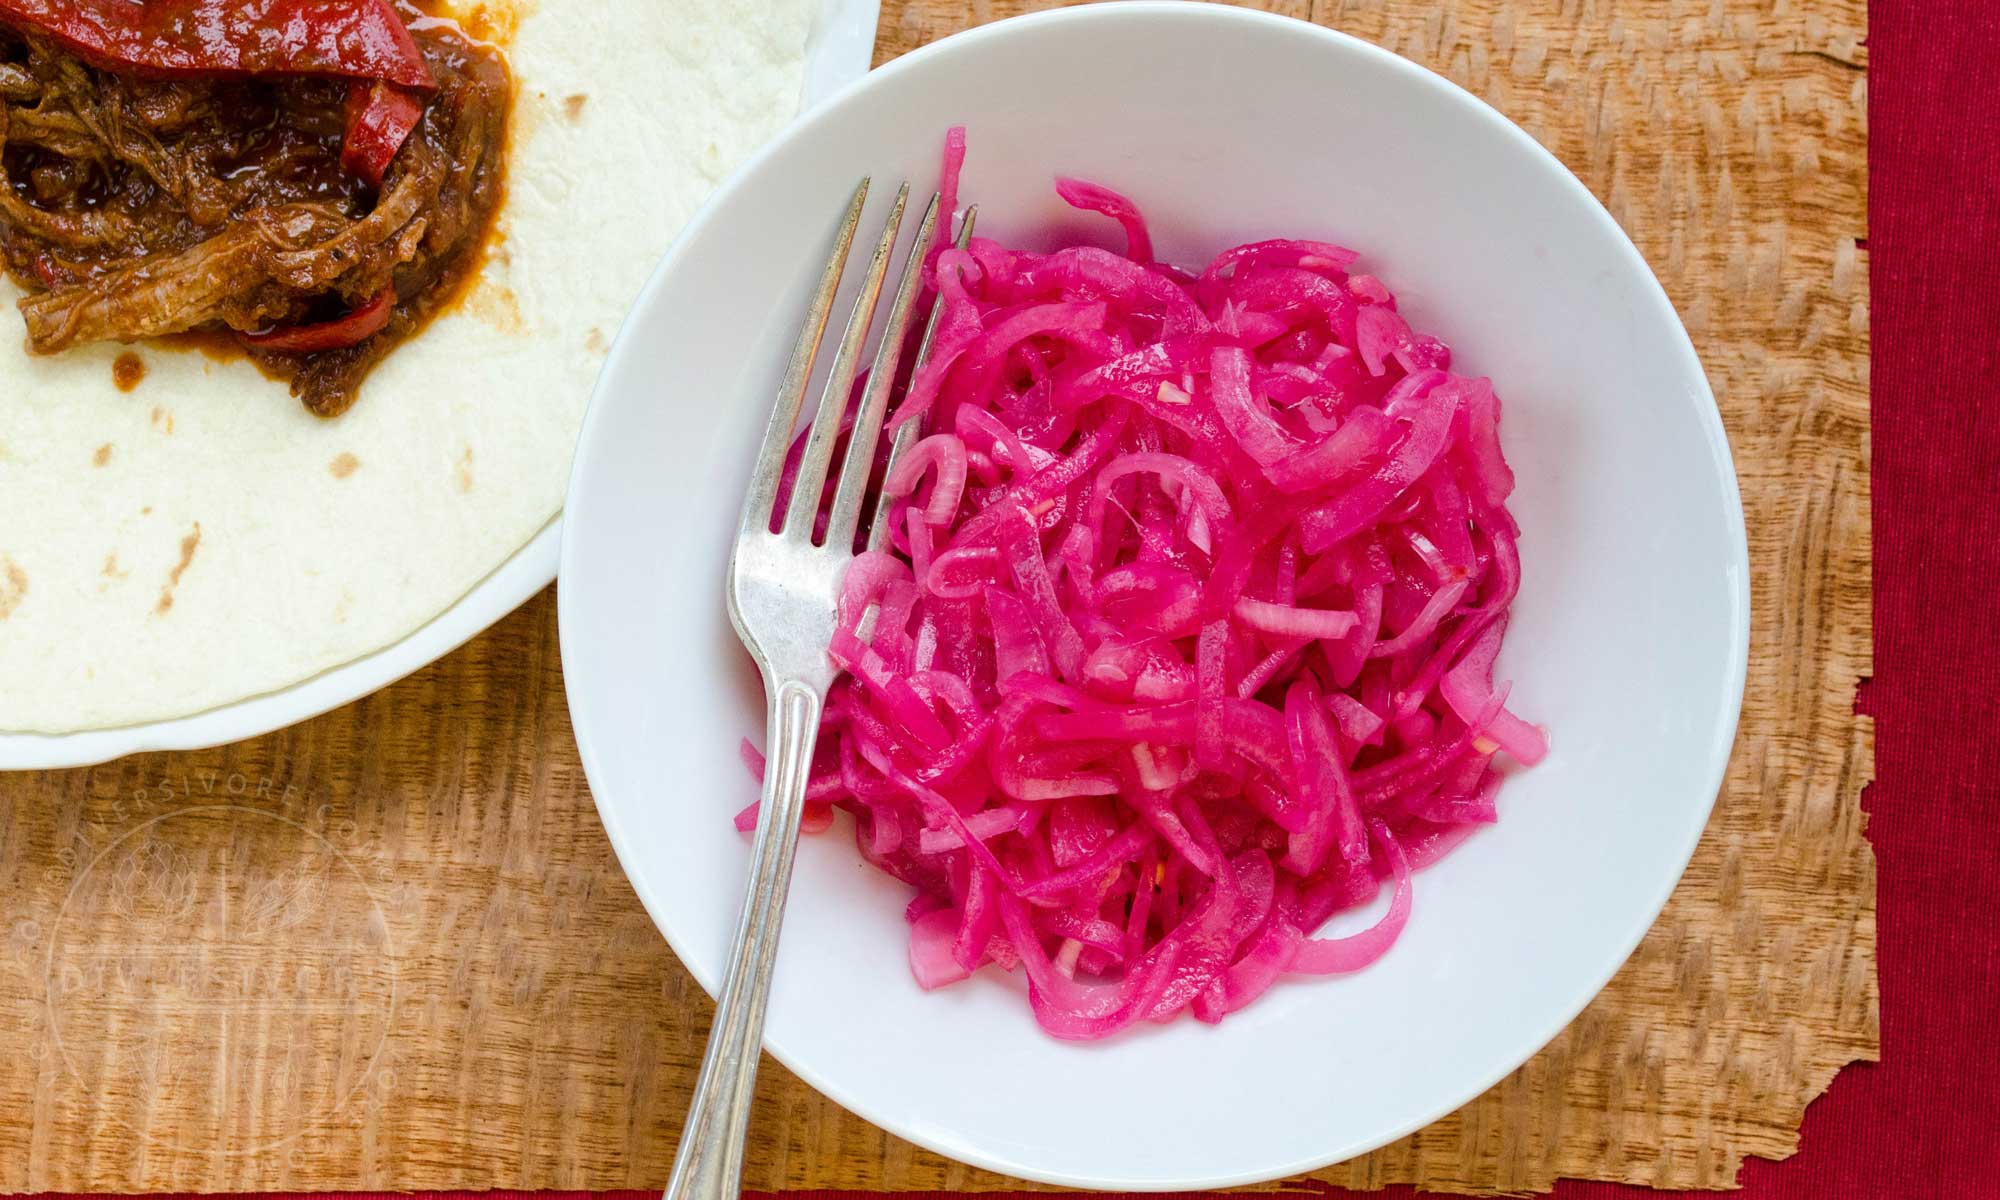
(782, 588)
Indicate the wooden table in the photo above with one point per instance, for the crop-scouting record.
(390, 948)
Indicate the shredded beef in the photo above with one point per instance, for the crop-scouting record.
(133, 208)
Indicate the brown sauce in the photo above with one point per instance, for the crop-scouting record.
(216, 345)
(127, 370)
(491, 23)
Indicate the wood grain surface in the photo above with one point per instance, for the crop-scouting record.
(390, 948)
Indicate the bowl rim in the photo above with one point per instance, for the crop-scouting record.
(1653, 297)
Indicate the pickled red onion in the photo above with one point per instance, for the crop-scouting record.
(1187, 643)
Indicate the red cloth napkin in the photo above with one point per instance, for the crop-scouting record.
(1925, 1122)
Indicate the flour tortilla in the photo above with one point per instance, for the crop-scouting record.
(203, 538)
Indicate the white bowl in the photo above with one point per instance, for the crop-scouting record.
(1629, 639)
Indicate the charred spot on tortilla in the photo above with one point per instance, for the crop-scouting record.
(573, 106)
(162, 420)
(13, 586)
(189, 545)
(316, 199)
(495, 305)
(102, 456)
(127, 370)
(343, 465)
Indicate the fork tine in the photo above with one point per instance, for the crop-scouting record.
(763, 492)
(875, 400)
(908, 432)
(811, 481)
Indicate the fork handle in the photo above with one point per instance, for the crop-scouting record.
(709, 1165)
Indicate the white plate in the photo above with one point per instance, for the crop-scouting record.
(838, 52)
(1629, 639)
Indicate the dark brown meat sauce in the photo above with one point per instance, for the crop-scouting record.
(136, 208)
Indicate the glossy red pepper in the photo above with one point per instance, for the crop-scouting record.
(361, 39)
(45, 270)
(379, 117)
(338, 334)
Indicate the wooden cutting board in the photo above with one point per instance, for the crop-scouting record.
(390, 948)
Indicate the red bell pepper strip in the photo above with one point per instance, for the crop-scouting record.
(379, 117)
(338, 334)
(45, 270)
(360, 39)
